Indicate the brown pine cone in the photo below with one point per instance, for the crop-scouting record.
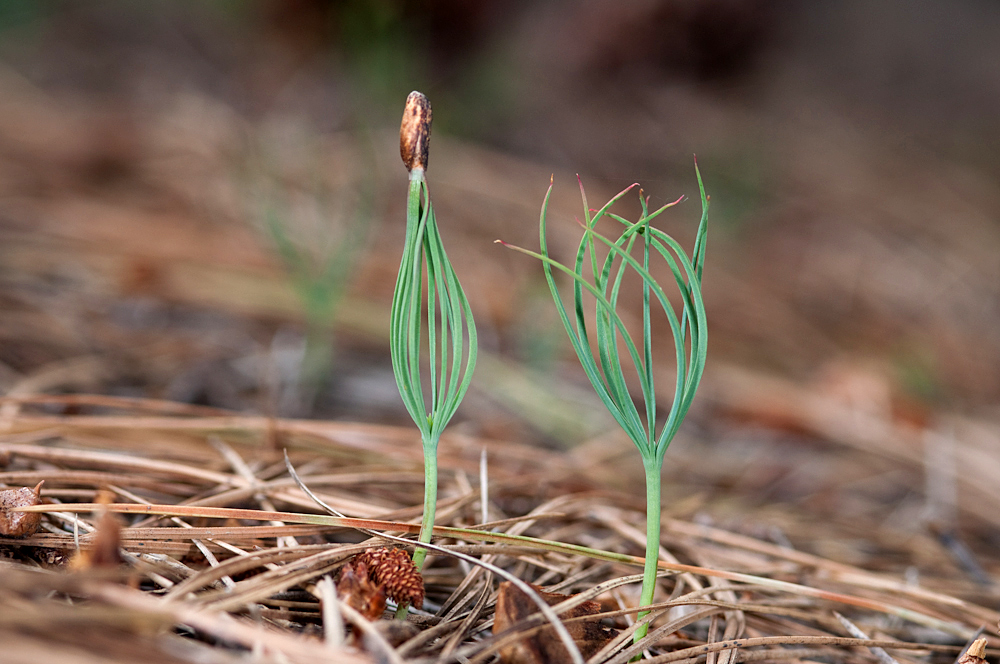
(393, 568)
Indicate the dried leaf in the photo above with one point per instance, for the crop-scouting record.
(976, 654)
(394, 569)
(20, 524)
(543, 646)
(356, 589)
(396, 632)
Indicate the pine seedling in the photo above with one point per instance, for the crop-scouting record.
(318, 233)
(600, 352)
(449, 323)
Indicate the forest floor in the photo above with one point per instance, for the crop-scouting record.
(823, 502)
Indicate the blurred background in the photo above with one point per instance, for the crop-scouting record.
(203, 201)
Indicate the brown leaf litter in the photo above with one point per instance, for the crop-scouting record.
(19, 524)
(358, 590)
(232, 565)
(542, 647)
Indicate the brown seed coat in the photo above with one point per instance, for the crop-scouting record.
(415, 132)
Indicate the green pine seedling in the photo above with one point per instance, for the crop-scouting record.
(320, 259)
(602, 361)
(449, 322)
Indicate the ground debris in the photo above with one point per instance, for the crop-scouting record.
(356, 588)
(543, 646)
(19, 524)
(976, 654)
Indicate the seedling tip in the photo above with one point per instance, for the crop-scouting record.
(415, 132)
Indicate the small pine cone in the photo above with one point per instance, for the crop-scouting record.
(394, 569)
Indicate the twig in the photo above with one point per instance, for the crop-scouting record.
(855, 631)
(333, 621)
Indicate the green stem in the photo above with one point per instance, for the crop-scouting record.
(652, 467)
(430, 509)
(430, 502)
(413, 198)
